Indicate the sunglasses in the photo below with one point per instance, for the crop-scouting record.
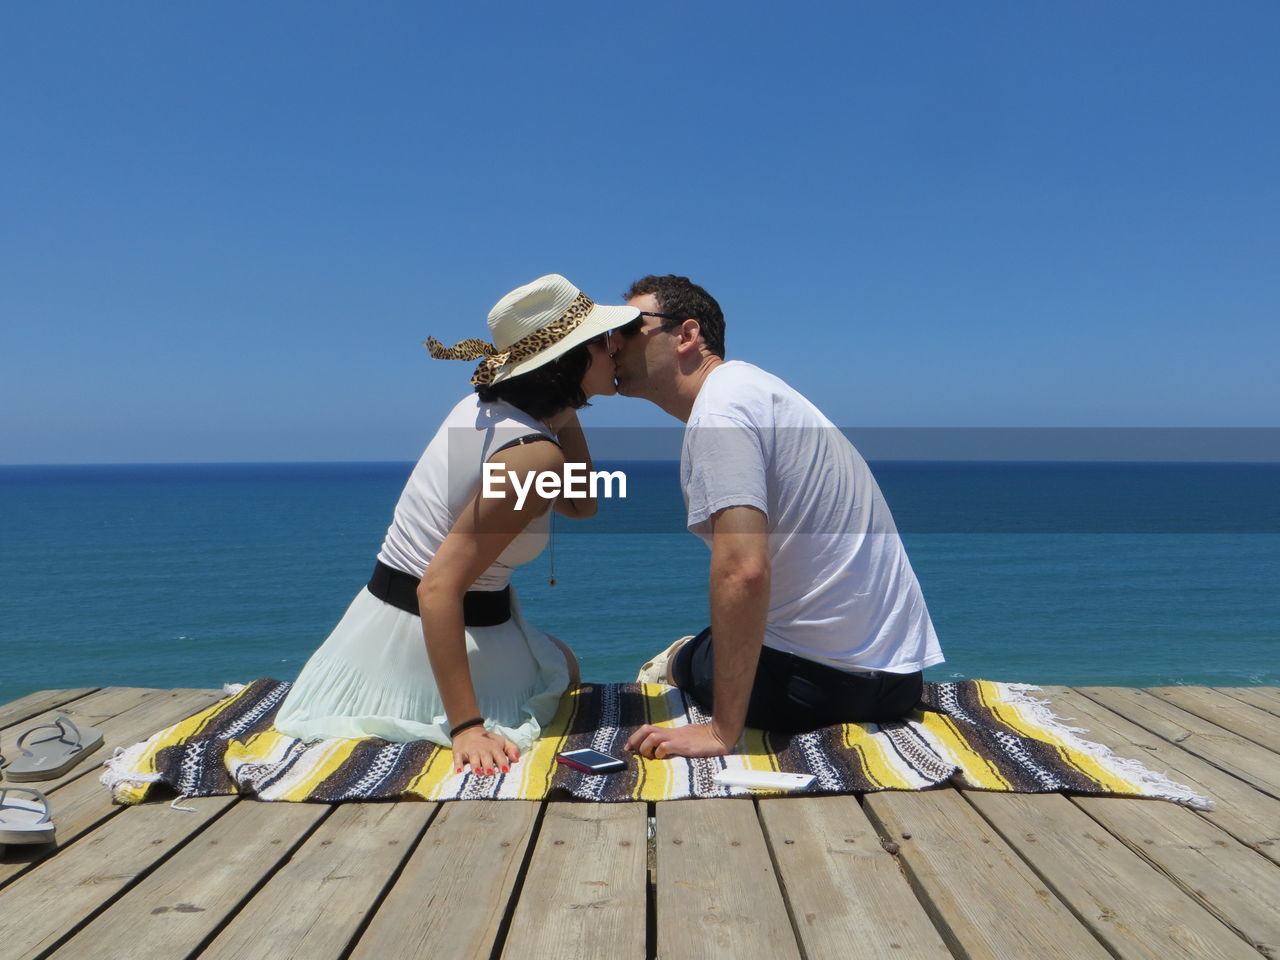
(634, 327)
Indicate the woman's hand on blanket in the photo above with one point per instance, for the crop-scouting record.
(483, 751)
(692, 740)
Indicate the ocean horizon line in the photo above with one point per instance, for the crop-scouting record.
(990, 445)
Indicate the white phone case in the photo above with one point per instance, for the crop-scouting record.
(764, 779)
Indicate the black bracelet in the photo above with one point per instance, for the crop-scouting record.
(466, 725)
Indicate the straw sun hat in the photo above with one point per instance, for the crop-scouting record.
(531, 326)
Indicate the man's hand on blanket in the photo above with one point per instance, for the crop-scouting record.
(692, 740)
(484, 752)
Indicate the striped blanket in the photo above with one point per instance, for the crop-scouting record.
(991, 736)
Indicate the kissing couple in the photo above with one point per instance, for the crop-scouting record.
(816, 614)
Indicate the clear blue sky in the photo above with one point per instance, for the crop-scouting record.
(226, 228)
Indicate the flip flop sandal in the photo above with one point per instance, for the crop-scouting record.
(60, 749)
(22, 820)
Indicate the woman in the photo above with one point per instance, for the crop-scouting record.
(486, 681)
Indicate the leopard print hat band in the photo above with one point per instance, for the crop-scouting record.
(533, 325)
(522, 349)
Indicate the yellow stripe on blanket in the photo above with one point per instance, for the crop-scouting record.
(957, 748)
(663, 707)
(756, 754)
(878, 765)
(540, 761)
(319, 763)
(184, 730)
(429, 784)
(1027, 718)
(260, 749)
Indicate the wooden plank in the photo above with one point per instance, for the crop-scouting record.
(182, 902)
(984, 900)
(1234, 883)
(1240, 757)
(315, 904)
(159, 708)
(39, 909)
(1251, 817)
(1134, 909)
(78, 800)
(1246, 721)
(584, 893)
(1264, 698)
(102, 704)
(847, 894)
(22, 709)
(93, 710)
(717, 893)
(453, 894)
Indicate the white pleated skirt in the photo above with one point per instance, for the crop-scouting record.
(372, 678)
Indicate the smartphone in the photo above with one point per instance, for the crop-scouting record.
(591, 761)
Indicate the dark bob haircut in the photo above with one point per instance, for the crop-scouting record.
(547, 390)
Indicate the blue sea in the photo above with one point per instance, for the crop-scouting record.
(1055, 573)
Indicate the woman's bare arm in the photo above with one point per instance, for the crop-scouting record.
(483, 530)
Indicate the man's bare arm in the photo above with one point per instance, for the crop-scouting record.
(739, 609)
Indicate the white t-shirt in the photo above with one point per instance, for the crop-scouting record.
(842, 591)
(447, 478)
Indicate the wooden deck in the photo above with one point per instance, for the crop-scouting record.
(891, 875)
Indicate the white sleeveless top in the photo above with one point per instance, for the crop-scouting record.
(447, 478)
(372, 677)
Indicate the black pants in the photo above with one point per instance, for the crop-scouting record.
(792, 695)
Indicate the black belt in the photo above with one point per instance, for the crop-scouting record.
(480, 608)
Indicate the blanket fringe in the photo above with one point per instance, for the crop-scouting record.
(121, 768)
(1152, 783)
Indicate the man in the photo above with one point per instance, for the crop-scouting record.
(816, 614)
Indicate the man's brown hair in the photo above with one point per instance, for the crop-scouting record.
(681, 297)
